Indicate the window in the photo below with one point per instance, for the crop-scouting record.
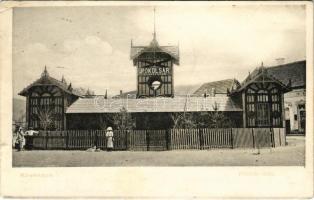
(263, 105)
(43, 101)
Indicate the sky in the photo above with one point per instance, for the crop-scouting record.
(90, 46)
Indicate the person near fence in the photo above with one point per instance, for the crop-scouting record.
(29, 137)
(20, 139)
(31, 132)
(109, 138)
(14, 138)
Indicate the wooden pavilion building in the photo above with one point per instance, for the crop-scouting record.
(47, 100)
(262, 98)
(256, 102)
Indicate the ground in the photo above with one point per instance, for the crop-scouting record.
(291, 155)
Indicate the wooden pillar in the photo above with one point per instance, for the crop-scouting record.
(137, 80)
(27, 114)
(283, 118)
(172, 79)
(244, 109)
(64, 107)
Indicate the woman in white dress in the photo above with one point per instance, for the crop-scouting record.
(109, 138)
(21, 139)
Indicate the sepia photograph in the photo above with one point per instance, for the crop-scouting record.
(219, 85)
(156, 100)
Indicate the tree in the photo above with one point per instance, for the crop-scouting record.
(45, 116)
(217, 119)
(123, 120)
(104, 121)
(184, 119)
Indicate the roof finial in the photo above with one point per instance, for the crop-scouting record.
(154, 42)
(154, 23)
(106, 95)
(70, 87)
(63, 80)
(45, 72)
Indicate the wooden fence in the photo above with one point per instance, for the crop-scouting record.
(158, 140)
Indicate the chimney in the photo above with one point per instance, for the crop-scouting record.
(213, 92)
(280, 61)
(120, 93)
(105, 97)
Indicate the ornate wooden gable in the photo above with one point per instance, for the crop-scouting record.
(46, 80)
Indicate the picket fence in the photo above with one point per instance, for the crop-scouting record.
(159, 140)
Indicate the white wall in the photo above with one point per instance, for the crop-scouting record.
(292, 100)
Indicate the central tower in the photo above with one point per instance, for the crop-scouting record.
(154, 65)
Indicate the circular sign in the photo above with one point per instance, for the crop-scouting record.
(155, 85)
(154, 82)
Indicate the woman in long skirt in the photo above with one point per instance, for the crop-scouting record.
(21, 139)
(109, 137)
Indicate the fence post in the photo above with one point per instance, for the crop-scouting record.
(231, 138)
(46, 146)
(66, 139)
(271, 137)
(96, 140)
(127, 139)
(88, 139)
(280, 143)
(253, 137)
(201, 138)
(167, 139)
(147, 139)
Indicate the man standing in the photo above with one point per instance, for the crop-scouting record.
(109, 137)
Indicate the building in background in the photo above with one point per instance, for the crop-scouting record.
(295, 75)
(258, 101)
(261, 100)
(220, 88)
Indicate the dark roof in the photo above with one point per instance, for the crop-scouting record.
(180, 90)
(221, 87)
(173, 51)
(177, 104)
(260, 74)
(296, 72)
(130, 94)
(46, 79)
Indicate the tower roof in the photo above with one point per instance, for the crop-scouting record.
(172, 51)
(154, 47)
